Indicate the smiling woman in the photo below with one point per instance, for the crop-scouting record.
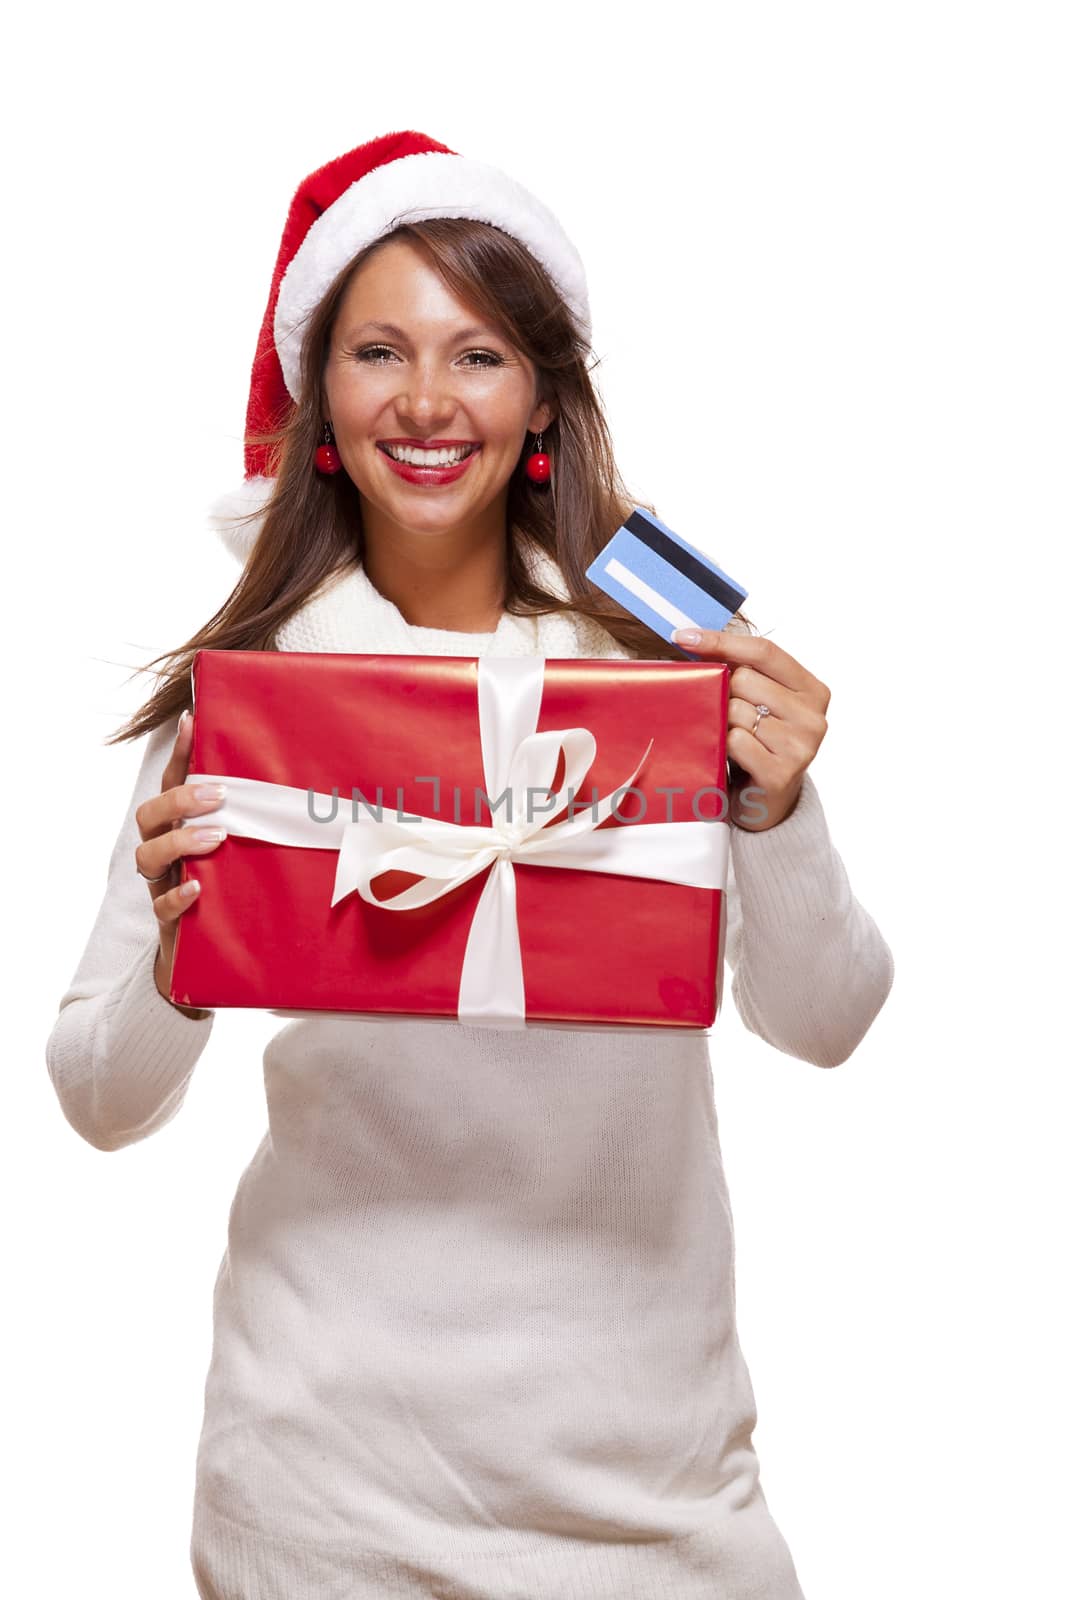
(449, 327)
(474, 1329)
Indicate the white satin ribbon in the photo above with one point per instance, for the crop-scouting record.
(516, 759)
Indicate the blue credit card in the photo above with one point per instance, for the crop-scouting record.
(663, 581)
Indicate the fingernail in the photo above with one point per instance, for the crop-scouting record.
(210, 791)
(190, 886)
(181, 721)
(686, 636)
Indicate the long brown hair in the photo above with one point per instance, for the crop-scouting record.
(311, 526)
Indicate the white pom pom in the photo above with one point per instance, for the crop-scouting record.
(239, 537)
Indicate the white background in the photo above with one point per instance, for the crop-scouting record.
(825, 247)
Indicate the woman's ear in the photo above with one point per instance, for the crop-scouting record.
(544, 415)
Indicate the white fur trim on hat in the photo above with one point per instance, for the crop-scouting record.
(413, 188)
(252, 496)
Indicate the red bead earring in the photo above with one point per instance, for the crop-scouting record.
(538, 466)
(326, 458)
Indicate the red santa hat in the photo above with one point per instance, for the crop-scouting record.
(336, 212)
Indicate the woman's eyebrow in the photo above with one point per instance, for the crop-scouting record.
(394, 332)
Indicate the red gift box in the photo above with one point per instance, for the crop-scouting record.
(359, 779)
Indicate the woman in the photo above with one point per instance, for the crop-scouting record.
(474, 1328)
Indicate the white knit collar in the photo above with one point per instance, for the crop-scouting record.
(349, 615)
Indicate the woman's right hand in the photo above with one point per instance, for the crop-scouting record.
(164, 841)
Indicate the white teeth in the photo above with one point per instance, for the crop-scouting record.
(427, 458)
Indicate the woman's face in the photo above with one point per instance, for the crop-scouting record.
(409, 362)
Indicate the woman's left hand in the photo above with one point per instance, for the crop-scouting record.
(777, 756)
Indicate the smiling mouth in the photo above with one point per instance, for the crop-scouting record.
(429, 475)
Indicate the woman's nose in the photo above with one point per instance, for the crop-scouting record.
(427, 393)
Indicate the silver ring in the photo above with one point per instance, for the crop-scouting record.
(761, 711)
(147, 879)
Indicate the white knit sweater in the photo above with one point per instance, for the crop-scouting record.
(474, 1325)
